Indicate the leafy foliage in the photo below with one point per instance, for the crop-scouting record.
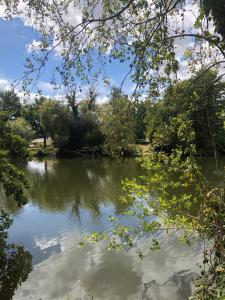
(117, 124)
(201, 100)
(31, 113)
(216, 11)
(10, 104)
(21, 127)
(12, 179)
(84, 130)
(55, 120)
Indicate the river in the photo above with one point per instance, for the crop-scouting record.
(70, 198)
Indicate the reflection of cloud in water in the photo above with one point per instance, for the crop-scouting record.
(177, 287)
(46, 243)
(80, 273)
(36, 166)
(90, 174)
(41, 167)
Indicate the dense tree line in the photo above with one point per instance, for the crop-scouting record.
(114, 126)
(118, 124)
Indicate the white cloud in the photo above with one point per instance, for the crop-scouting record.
(47, 87)
(27, 98)
(34, 46)
(103, 99)
(4, 84)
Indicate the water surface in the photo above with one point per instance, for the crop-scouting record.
(69, 198)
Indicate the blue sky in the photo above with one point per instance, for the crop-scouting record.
(16, 37)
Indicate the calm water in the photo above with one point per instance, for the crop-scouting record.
(68, 198)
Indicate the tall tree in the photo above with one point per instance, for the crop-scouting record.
(202, 100)
(117, 124)
(55, 120)
(30, 112)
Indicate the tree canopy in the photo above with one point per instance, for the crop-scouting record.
(201, 101)
(117, 123)
(148, 35)
(10, 104)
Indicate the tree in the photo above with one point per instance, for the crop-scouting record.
(30, 112)
(21, 127)
(84, 129)
(139, 116)
(10, 104)
(11, 178)
(56, 120)
(215, 10)
(202, 101)
(117, 124)
(71, 97)
(157, 116)
(88, 123)
(91, 96)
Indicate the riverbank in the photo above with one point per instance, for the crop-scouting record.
(37, 150)
(85, 152)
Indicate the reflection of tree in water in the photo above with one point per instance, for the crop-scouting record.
(15, 262)
(80, 184)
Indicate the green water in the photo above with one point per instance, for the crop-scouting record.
(68, 198)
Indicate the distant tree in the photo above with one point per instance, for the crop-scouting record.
(72, 100)
(11, 143)
(30, 112)
(139, 116)
(10, 104)
(91, 97)
(22, 128)
(89, 122)
(84, 130)
(156, 115)
(117, 124)
(56, 120)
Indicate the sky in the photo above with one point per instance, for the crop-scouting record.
(14, 38)
(17, 38)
